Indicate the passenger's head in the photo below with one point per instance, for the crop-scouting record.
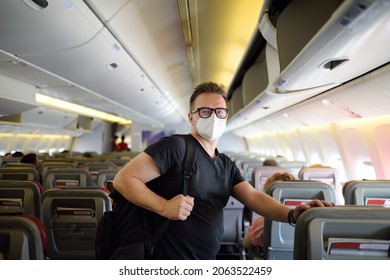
(207, 88)
(277, 177)
(17, 154)
(87, 155)
(208, 111)
(30, 158)
(270, 162)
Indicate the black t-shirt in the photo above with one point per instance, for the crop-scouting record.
(199, 236)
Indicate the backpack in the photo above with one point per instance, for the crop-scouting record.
(130, 219)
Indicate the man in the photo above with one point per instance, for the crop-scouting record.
(196, 229)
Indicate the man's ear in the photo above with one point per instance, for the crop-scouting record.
(190, 118)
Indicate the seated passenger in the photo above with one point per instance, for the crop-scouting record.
(255, 235)
(270, 162)
(33, 159)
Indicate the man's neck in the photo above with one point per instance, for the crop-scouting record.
(208, 146)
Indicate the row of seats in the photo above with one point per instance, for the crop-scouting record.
(61, 174)
(343, 233)
(75, 161)
(279, 237)
(359, 222)
(233, 213)
(68, 214)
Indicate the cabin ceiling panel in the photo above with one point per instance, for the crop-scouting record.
(106, 9)
(88, 65)
(150, 31)
(52, 29)
(10, 107)
(13, 67)
(94, 69)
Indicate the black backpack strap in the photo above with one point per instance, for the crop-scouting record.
(189, 161)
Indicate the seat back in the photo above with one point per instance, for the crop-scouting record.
(279, 237)
(294, 166)
(25, 195)
(104, 178)
(5, 160)
(327, 175)
(48, 165)
(18, 164)
(118, 161)
(19, 173)
(22, 237)
(367, 192)
(247, 167)
(343, 232)
(67, 177)
(260, 175)
(94, 167)
(231, 244)
(71, 217)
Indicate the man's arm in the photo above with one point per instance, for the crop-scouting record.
(130, 182)
(267, 206)
(260, 203)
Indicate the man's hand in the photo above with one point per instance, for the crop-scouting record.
(178, 208)
(314, 203)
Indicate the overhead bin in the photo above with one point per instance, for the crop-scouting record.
(236, 103)
(255, 80)
(311, 47)
(325, 42)
(257, 92)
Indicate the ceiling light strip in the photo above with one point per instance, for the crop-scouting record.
(78, 109)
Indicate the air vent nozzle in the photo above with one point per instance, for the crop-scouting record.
(332, 64)
(36, 4)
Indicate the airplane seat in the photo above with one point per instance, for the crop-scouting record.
(247, 167)
(19, 173)
(327, 175)
(367, 192)
(347, 232)
(231, 245)
(294, 166)
(105, 177)
(5, 160)
(39, 185)
(18, 164)
(67, 177)
(47, 165)
(278, 236)
(22, 237)
(118, 161)
(94, 167)
(20, 196)
(260, 174)
(71, 217)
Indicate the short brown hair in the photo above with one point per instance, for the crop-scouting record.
(276, 177)
(209, 87)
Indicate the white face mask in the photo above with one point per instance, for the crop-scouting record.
(211, 128)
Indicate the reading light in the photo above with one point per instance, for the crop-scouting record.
(78, 109)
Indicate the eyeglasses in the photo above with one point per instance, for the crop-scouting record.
(205, 112)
